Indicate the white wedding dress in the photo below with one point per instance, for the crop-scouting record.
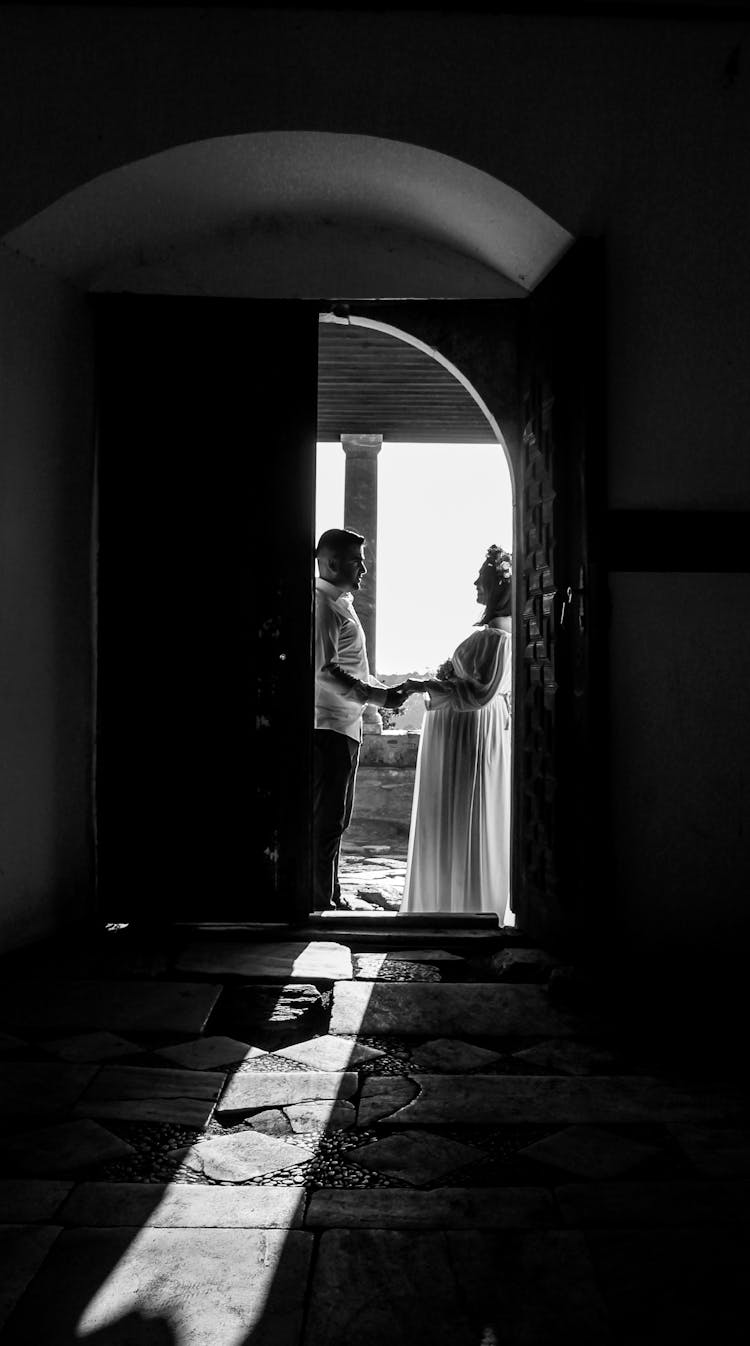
(459, 843)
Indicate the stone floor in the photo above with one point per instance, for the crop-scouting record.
(371, 1131)
(372, 867)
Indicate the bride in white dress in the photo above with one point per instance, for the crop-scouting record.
(459, 843)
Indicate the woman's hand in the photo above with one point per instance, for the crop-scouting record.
(424, 684)
(416, 684)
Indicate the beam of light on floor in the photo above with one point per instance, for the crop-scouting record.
(200, 1284)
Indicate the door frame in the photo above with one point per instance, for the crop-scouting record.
(480, 343)
(485, 342)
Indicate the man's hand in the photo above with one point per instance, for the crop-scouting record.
(396, 696)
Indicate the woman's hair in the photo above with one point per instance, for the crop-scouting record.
(497, 573)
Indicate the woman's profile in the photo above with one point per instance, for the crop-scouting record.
(459, 843)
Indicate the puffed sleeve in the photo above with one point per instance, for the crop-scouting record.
(479, 666)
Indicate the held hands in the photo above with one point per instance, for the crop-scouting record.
(423, 685)
(415, 684)
(396, 696)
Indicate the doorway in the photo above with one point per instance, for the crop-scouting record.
(525, 326)
(205, 590)
(424, 494)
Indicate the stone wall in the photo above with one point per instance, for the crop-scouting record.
(385, 784)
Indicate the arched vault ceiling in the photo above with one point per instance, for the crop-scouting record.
(224, 187)
(370, 382)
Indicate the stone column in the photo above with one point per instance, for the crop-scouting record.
(361, 515)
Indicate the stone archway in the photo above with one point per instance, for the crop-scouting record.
(389, 387)
(378, 382)
(299, 215)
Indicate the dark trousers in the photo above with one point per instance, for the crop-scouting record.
(335, 759)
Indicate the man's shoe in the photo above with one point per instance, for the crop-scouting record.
(340, 903)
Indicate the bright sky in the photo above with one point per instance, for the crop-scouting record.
(440, 506)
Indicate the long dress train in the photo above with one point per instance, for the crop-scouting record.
(459, 842)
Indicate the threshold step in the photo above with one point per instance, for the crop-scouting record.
(351, 929)
(388, 920)
(470, 943)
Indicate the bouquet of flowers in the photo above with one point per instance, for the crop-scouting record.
(501, 561)
(446, 671)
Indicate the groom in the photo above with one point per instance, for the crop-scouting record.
(343, 686)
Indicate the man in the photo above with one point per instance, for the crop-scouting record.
(343, 686)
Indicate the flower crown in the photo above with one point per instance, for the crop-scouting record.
(501, 562)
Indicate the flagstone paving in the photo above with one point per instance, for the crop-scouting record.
(569, 1057)
(64, 1148)
(452, 1056)
(246, 1090)
(307, 961)
(272, 1122)
(447, 1010)
(384, 1096)
(30, 1088)
(27, 1200)
(271, 1010)
(195, 1287)
(188, 1111)
(320, 1116)
(487, 1099)
(247, 1154)
(149, 1093)
(374, 879)
(590, 1152)
(457, 1287)
(308, 1146)
(101, 1046)
(23, 1249)
(122, 1007)
(415, 1157)
(330, 1053)
(206, 1053)
(441, 1208)
(173, 1205)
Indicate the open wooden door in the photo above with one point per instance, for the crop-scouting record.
(561, 869)
(207, 411)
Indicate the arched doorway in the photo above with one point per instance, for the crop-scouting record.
(415, 462)
(225, 208)
(536, 368)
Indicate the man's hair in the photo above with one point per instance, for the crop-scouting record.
(336, 541)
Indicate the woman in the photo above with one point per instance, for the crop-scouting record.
(459, 845)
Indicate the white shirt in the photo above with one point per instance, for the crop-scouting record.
(343, 684)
